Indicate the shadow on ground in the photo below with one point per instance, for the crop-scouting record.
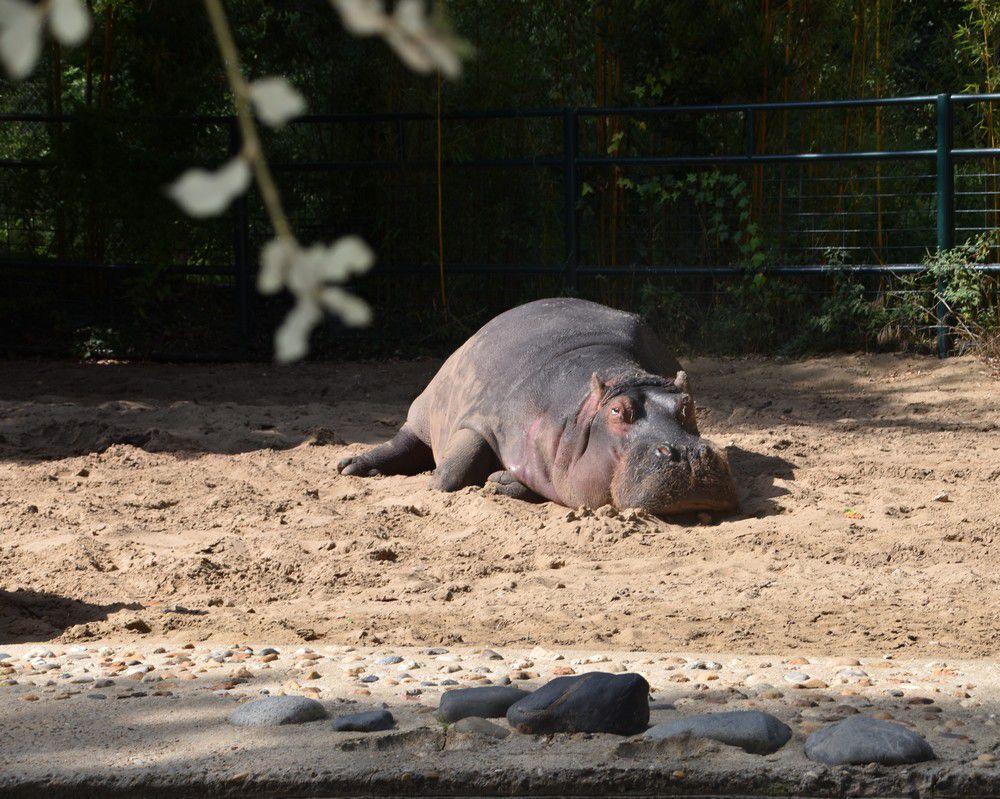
(28, 616)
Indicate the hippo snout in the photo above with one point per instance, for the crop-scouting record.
(677, 477)
(681, 452)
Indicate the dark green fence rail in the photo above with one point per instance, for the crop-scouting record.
(574, 193)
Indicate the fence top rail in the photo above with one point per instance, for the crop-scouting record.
(513, 113)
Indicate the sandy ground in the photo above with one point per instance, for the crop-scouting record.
(202, 502)
(151, 514)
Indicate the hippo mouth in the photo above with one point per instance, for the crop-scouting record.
(698, 479)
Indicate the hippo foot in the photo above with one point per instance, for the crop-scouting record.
(505, 483)
(358, 467)
(405, 453)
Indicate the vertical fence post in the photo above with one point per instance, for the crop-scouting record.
(945, 208)
(241, 245)
(571, 194)
(751, 144)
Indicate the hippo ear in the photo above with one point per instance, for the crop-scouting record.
(596, 385)
(682, 383)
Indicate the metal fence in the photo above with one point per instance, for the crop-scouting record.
(568, 193)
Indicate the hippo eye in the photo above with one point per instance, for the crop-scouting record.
(616, 411)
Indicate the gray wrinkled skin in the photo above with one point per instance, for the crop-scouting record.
(566, 400)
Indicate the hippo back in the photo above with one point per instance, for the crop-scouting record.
(531, 361)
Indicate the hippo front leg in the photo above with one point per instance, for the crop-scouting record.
(467, 461)
(405, 453)
(505, 483)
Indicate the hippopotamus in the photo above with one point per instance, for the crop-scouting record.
(565, 400)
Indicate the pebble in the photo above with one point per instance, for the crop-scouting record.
(275, 710)
(374, 721)
(489, 654)
(370, 678)
(388, 660)
(594, 702)
(706, 665)
(852, 673)
(751, 730)
(797, 677)
(488, 702)
(863, 739)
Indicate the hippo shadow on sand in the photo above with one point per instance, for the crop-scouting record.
(754, 474)
(27, 616)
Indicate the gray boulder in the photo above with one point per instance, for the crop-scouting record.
(276, 710)
(594, 702)
(862, 739)
(488, 702)
(751, 730)
(375, 721)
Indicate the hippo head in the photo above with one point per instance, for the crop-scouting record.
(661, 463)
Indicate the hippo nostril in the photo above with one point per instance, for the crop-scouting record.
(667, 451)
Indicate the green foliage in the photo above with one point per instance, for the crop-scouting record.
(968, 294)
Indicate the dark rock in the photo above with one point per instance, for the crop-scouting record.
(490, 702)
(274, 710)
(751, 730)
(365, 722)
(862, 739)
(594, 702)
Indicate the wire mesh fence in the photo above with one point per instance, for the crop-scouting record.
(533, 202)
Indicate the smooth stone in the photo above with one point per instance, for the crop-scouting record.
(592, 702)
(448, 682)
(4, 656)
(370, 678)
(706, 665)
(796, 677)
(490, 702)
(268, 650)
(389, 660)
(274, 710)
(97, 696)
(491, 654)
(374, 721)
(862, 739)
(480, 726)
(751, 730)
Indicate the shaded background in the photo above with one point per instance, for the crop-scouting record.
(97, 262)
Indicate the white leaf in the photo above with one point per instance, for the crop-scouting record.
(200, 193)
(275, 261)
(69, 21)
(276, 101)
(305, 274)
(291, 340)
(361, 17)
(409, 52)
(443, 55)
(21, 37)
(409, 16)
(347, 256)
(353, 311)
